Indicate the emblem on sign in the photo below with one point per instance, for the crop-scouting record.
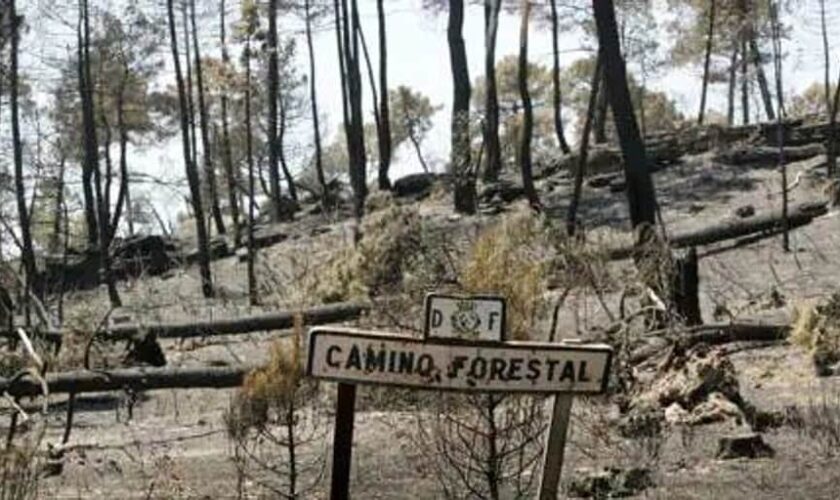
(465, 317)
(465, 320)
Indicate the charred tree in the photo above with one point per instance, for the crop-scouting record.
(384, 129)
(462, 170)
(710, 36)
(253, 293)
(527, 131)
(493, 165)
(231, 174)
(640, 190)
(27, 250)
(88, 153)
(313, 98)
(204, 127)
(555, 79)
(190, 167)
(273, 98)
(733, 74)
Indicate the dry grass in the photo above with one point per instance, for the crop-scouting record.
(816, 328)
(19, 469)
(511, 259)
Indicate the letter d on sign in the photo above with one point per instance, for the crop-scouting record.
(437, 318)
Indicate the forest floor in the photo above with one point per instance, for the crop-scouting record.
(176, 445)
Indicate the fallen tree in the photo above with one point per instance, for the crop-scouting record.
(330, 313)
(76, 382)
(798, 215)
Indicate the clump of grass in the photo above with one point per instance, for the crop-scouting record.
(19, 467)
(816, 328)
(390, 238)
(510, 259)
(272, 386)
(819, 420)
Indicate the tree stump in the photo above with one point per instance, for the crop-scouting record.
(685, 291)
(743, 446)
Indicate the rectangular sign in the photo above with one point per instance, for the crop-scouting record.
(453, 317)
(355, 356)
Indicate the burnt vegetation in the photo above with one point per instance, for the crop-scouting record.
(190, 185)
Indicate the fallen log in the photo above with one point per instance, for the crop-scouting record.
(320, 315)
(711, 334)
(82, 381)
(765, 155)
(798, 215)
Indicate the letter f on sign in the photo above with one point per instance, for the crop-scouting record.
(492, 323)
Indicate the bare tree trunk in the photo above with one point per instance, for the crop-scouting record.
(319, 166)
(780, 133)
(385, 147)
(227, 155)
(92, 160)
(209, 168)
(273, 96)
(123, 195)
(733, 66)
(281, 155)
(190, 102)
(555, 74)
(191, 169)
(28, 252)
(600, 123)
(710, 36)
(583, 155)
(88, 162)
(640, 190)
(58, 207)
(763, 86)
(745, 84)
(826, 57)
(253, 293)
(493, 165)
(528, 112)
(356, 137)
(462, 170)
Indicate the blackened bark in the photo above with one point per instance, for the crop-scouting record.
(385, 146)
(313, 97)
(555, 76)
(58, 207)
(462, 171)
(356, 138)
(493, 165)
(253, 294)
(710, 36)
(189, 166)
(123, 195)
(28, 252)
(583, 155)
(745, 84)
(227, 155)
(600, 122)
(761, 77)
(733, 72)
(209, 168)
(273, 96)
(527, 131)
(281, 155)
(640, 190)
(88, 160)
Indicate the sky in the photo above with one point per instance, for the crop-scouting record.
(418, 57)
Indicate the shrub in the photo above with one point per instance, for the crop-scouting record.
(816, 328)
(511, 259)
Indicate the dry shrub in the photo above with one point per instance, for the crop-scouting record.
(816, 328)
(19, 469)
(390, 238)
(277, 427)
(511, 259)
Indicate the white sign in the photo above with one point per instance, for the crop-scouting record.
(452, 317)
(373, 358)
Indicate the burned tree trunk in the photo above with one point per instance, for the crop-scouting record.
(204, 127)
(708, 59)
(273, 96)
(462, 170)
(384, 107)
(733, 73)
(640, 190)
(555, 80)
(227, 155)
(191, 169)
(313, 97)
(493, 163)
(528, 112)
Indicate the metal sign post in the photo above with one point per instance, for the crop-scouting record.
(445, 361)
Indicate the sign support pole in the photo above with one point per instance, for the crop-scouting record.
(555, 446)
(343, 442)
